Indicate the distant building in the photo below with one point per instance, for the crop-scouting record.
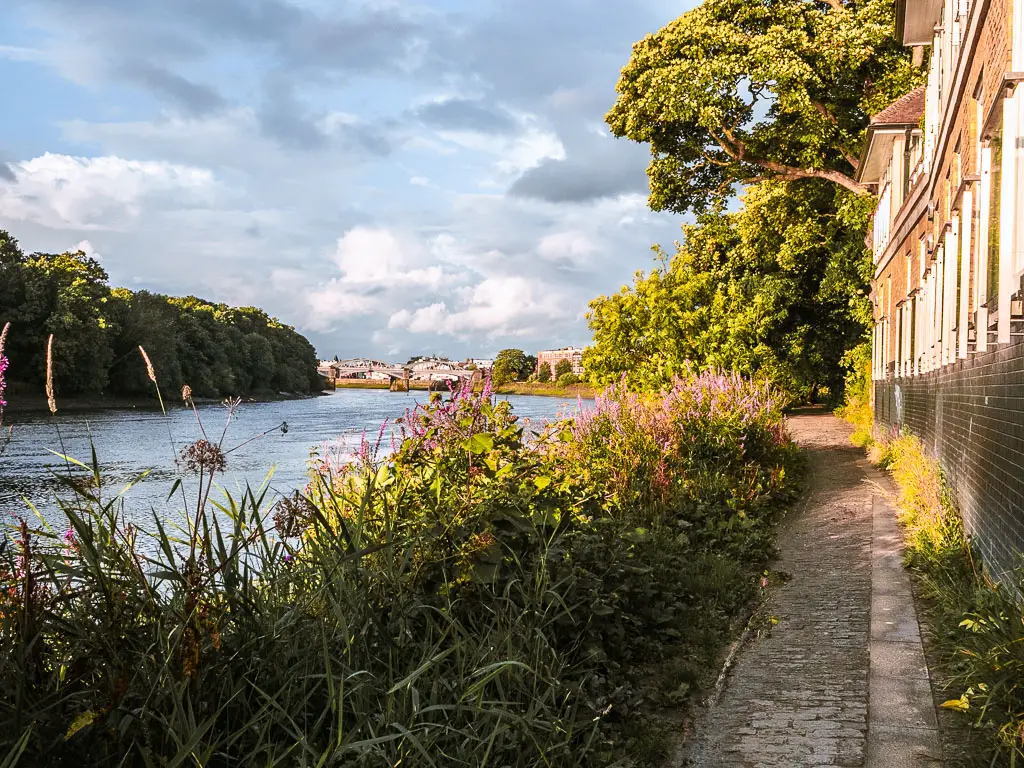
(363, 362)
(481, 363)
(554, 356)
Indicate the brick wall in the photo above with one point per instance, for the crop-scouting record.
(970, 415)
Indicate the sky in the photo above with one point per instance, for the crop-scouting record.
(390, 177)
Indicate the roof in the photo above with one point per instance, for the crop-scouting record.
(906, 110)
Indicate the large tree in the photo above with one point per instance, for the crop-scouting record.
(775, 290)
(737, 91)
(510, 365)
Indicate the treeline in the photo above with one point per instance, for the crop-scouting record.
(215, 349)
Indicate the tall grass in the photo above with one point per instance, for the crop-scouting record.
(978, 622)
(473, 596)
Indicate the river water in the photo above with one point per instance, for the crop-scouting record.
(131, 441)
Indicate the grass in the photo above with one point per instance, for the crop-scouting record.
(572, 391)
(360, 384)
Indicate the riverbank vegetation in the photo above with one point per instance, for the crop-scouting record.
(216, 349)
(476, 595)
(548, 389)
(976, 637)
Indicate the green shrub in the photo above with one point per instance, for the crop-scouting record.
(567, 379)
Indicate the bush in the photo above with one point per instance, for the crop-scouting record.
(479, 596)
(567, 380)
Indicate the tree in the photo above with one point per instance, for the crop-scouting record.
(775, 290)
(563, 367)
(508, 366)
(216, 349)
(568, 379)
(737, 92)
(544, 373)
(529, 366)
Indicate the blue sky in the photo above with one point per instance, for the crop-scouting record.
(391, 178)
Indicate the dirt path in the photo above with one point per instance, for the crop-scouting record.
(841, 679)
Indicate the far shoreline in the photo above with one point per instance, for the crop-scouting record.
(527, 388)
(31, 404)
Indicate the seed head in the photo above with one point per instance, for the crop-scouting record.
(149, 366)
(51, 401)
(186, 393)
(203, 456)
(292, 514)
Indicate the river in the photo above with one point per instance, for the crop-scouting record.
(130, 441)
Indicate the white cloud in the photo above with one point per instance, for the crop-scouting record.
(86, 247)
(334, 301)
(572, 247)
(377, 257)
(19, 53)
(65, 192)
(430, 319)
(497, 306)
(513, 154)
(380, 270)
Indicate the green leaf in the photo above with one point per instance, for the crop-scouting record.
(479, 443)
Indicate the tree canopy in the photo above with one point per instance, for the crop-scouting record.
(512, 365)
(736, 92)
(776, 290)
(216, 349)
(769, 99)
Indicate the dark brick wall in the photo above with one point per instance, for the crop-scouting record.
(970, 415)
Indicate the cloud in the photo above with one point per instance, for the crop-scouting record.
(603, 173)
(379, 269)
(466, 115)
(86, 247)
(66, 192)
(282, 117)
(6, 171)
(496, 307)
(193, 98)
(20, 53)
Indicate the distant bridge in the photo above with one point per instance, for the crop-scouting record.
(431, 374)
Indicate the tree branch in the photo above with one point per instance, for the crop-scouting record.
(822, 110)
(737, 150)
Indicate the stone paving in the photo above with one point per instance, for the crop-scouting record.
(841, 679)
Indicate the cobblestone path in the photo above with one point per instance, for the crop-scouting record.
(846, 636)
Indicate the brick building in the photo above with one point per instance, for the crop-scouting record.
(553, 356)
(948, 243)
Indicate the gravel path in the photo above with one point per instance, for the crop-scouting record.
(841, 679)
